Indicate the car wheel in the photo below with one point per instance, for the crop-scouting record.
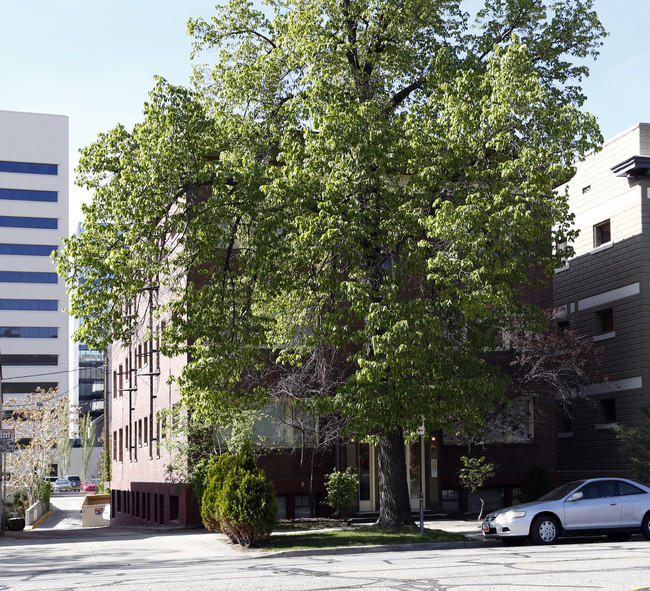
(645, 526)
(620, 536)
(545, 530)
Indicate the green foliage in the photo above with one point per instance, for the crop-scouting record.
(238, 499)
(20, 504)
(342, 488)
(218, 469)
(246, 506)
(46, 489)
(105, 469)
(635, 446)
(475, 472)
(537, 482)
(374, 178)
(198, 477)
(87, 435)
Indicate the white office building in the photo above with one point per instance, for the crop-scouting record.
(34, 333)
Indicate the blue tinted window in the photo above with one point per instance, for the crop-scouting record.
(43, 305)
(28, 167)
(28, 195)
(9, 221)
(28, 249)
(30, 360)
(27, 277)
(29, 332)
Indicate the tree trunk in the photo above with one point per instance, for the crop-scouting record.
(394, 502)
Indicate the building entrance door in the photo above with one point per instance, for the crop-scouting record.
(367, 477)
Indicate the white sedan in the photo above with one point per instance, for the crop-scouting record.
(61, 485)
(615, 507)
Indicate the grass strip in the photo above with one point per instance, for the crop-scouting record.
(357, 536)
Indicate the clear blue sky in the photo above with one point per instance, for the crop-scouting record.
(95, 62)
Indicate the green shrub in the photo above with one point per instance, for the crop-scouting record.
(246, 507)
(46, 489)
(199, 476)
(342, 489)
(227, 507)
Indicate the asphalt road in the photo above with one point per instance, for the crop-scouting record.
(163, 560)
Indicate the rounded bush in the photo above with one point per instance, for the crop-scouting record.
(238, 500)
(246, 507)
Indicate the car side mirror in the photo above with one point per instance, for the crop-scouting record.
(576, 496)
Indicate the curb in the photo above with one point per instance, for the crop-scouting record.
(41, 520)
(258, 554)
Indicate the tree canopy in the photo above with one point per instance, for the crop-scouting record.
(373, 177)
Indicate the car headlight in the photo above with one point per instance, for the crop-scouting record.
(515, 514)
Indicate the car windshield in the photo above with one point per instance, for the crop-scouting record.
(561, 491)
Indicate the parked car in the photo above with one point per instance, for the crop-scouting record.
(75, 481)
(61, 485)
(51, 479)
(616, 507)
(91, 485)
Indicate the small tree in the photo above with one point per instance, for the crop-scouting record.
(342, 489)
(65, 449)
(474, 473)
(41, 419)
(87, 435)
(635, 446)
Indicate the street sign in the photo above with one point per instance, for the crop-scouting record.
(421, 430)
(7, 438)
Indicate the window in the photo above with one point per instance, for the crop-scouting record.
(9, 221)
(29, 195)
(301, 506)
(625, 488)
(30, 360)
(598, 490)
(173, 507)
(26, 387)
(28, 167)
(565, 419)
(606, 411)
(605, 321)
(27, 277)
(40, 250)
(602, 233)
(44, 305)
(28, 332)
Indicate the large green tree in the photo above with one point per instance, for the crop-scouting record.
(369, 176)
